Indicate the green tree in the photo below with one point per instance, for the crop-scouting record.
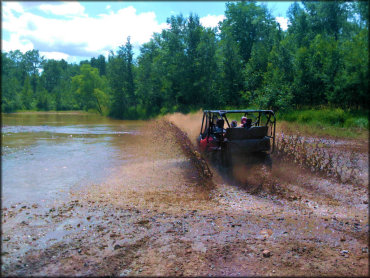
(27, 94)
(10, 85)
(149, 80)
(99, 63)
(90, 89)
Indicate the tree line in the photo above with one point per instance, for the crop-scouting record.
(322, 59)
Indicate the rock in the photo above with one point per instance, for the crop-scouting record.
(365, 250)
(292, 198)
(143, 222)
(366, 202)
(266, 253)
(342, 239)
(344, 252)
(126, 272)
(88, 218)
(117, 246)
(266, 232)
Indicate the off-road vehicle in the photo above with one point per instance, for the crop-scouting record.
(223, 133)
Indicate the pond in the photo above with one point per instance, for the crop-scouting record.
(46, 154)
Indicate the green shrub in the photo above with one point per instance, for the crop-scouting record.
(327, 117)
(357, 122)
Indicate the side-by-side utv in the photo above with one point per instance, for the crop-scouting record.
(237, 132)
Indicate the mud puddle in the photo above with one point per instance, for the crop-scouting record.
(167, 213)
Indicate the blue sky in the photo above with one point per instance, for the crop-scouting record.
(80, 30)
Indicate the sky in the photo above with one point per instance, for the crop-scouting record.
(76, 31)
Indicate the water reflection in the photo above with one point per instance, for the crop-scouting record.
(43, 155)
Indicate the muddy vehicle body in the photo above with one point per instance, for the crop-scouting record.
(221, 138)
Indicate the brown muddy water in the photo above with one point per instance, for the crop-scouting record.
(142, 202)
(45, 154)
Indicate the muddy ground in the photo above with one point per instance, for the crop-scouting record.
(165, 213)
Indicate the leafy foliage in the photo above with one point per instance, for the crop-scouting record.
(320, 61)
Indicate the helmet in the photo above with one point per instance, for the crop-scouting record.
(244, 120)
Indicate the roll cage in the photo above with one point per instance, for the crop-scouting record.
(259, 118)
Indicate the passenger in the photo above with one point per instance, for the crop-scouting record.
(247, 123)
(234, 123)
(243, 121)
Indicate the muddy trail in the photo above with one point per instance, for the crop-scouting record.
(172, 212)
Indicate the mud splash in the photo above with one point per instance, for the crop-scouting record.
(189, 123)
(345, 161)
(253, 175)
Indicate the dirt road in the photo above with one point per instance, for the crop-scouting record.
(162, 214)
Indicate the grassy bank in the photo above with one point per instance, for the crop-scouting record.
(326, 122)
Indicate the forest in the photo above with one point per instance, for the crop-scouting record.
(320, 61)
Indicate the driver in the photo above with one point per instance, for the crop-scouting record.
(220, 126)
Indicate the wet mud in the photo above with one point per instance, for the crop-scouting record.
(171, 211)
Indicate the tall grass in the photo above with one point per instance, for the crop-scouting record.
(331, 122)
(328, 117)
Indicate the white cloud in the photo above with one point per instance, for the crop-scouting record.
(211, 20)
(283, 22)
(66, 9)
(107, 7)
(9, 7)
(77, 35)
(15, 43)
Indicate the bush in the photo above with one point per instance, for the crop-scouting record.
(357, 122)
(327, 117)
